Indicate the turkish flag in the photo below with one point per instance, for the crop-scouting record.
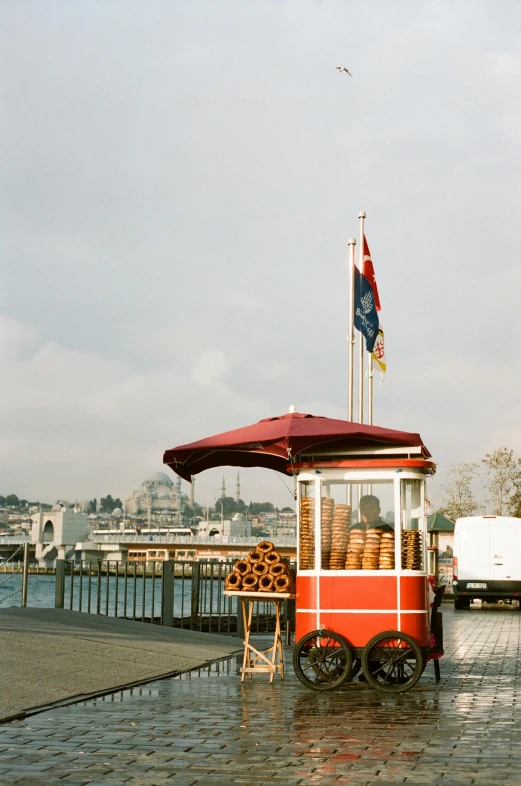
(368, 272)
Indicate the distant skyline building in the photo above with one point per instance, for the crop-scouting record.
(157, 497)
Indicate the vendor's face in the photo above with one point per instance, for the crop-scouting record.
(369, 511)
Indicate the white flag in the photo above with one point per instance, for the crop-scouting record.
(378, 360)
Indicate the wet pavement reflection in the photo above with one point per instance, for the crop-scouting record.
(207, 727)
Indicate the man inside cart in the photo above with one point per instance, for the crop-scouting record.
(370, 515)
(370, 518)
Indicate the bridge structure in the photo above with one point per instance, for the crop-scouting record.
(122, 546)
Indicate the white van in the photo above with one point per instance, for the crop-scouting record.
(487, 559)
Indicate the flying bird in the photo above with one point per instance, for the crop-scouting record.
(343, 68)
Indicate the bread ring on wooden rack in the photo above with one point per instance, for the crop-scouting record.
(265, 546)
(259, 568)
(282, 583)
(272, 557)
(278, 569)
(250, 582)
(266, 583)
(242, 566)
(233, 581)
(255, 556)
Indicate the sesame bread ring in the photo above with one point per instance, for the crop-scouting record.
(242, 566)
(250, 582)
(259, 568)
(233, 581)
(265, 546)
(271, 558)
(282, 583)
(255, 556)
(266, 583)
(278, 569)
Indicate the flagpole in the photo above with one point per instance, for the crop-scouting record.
(361, 217)
(351, 336)
(370, 374)
(370, 391)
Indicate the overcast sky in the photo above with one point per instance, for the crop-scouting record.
(179, 181)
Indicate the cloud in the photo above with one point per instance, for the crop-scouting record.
(79, 425)
(176, 206)
(506, 66)
(210, 367)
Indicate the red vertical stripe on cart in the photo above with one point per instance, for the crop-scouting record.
(413, 593)
(416, 625)
(305, 623)
(306, 592)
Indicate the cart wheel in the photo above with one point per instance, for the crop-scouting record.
(322, 660)
(392, 662)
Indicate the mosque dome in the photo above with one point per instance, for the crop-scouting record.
(157, 493)
(57, 506)
(117, 512)
(159, 479)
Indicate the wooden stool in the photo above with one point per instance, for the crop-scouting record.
(271, 660)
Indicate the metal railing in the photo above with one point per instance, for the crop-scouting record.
(176, 593)
(23, 569)
(14, 540)
(288, 541)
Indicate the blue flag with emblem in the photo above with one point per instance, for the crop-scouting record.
(366, 316)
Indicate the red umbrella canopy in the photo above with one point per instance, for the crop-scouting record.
(275, 442)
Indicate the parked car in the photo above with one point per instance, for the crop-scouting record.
(487, 559)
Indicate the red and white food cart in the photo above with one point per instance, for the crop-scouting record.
(363, 594)
(363, 598)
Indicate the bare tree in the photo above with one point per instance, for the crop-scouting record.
(503, 480)
(459, 500)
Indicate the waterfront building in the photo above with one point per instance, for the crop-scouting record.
(55, 533)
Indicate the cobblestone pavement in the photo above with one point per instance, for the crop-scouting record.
(210, 728)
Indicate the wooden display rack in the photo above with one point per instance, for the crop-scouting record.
(261, 661)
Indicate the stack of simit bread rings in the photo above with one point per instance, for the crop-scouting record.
(262, 571)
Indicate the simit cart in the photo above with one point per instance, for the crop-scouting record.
(364, 600)
(363, 597)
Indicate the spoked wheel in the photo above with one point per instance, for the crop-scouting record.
(392, 662)
(322, 660)
(355, 668)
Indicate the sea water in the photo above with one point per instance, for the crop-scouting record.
(116, 597)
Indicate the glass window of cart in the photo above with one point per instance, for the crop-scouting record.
(412, 524)
(357, 525)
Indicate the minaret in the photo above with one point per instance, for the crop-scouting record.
(238, 489)
(192, 492)
(178, 500)
(223, 489)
